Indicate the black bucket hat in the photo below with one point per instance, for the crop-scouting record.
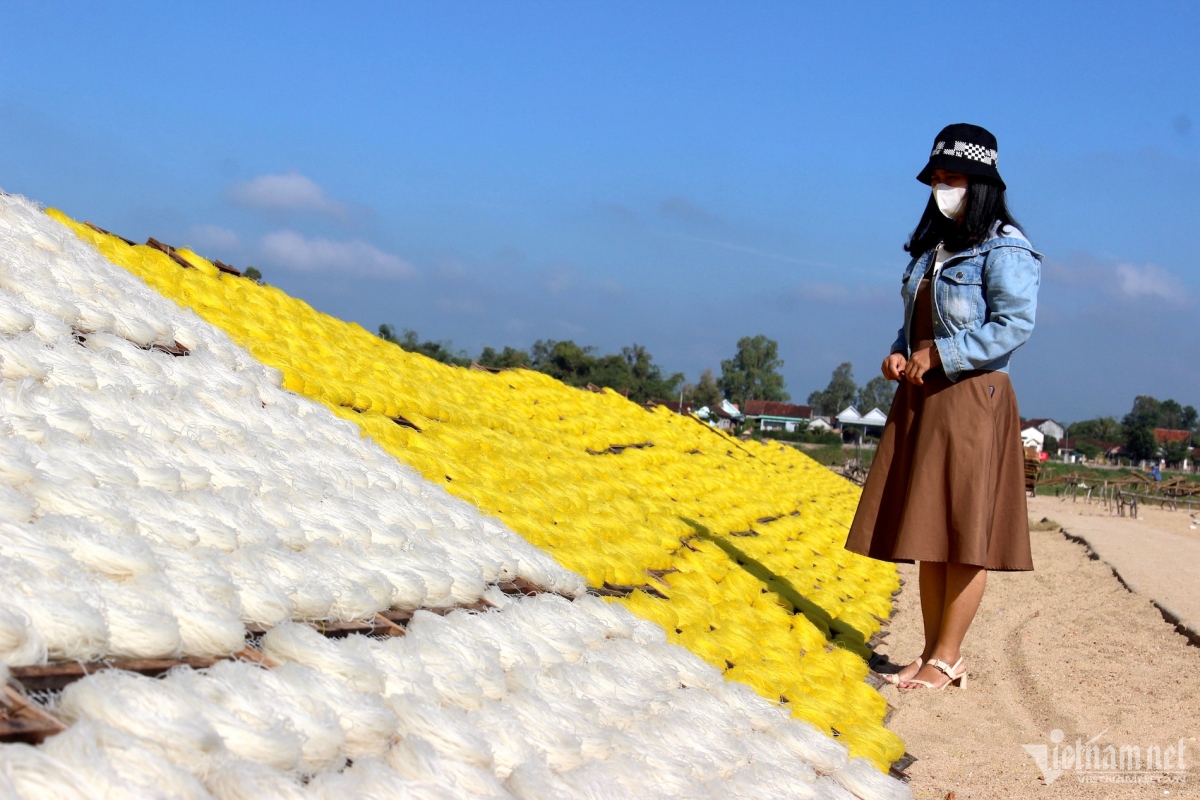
(964, 148)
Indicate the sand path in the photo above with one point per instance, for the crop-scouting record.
(1151, 560)
(1181, 522)
(1065, 648)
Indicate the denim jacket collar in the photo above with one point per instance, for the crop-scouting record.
(997, 240)
(923, 260)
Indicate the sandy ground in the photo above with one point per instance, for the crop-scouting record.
(1148, 558)
(1181, 521)
(1063, 648)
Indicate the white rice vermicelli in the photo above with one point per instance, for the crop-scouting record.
(445, 728)
(238, 779)
(140, 624)
(368, 723)
(303, 645)
(250, 730)
(156, 710)
(69, 621)
(27, 773)
(259, 691)
(120, 766)
(21, 644)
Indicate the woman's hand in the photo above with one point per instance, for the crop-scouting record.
(893, 366)
(921, 362)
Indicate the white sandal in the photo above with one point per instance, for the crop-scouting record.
(894, 677)
(956, 674)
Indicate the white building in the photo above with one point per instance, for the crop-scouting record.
(874, 418)
(850, 416)
(1048, 427)
(1033, 437)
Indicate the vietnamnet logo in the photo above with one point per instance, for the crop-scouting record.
(1092, 762)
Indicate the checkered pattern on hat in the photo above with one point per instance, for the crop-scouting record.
(975, 152)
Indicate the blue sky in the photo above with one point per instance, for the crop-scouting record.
(673, 174)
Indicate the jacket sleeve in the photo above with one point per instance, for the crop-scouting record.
(901, 343)
(1011, 279)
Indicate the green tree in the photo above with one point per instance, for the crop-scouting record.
(647, 381)
(1144, 414)
(438, 351)
(632, 371)
(253, 274)
(1050, 445)
(705, 392)
(566, 361)
(753, 372)
(388, 334)
(1170, 415)
(841, 392)
(507, 358)
(1141, 443)
(1101, 429)
(877, 393)
(1176, 452)
(1188, 418)
(1088, 450)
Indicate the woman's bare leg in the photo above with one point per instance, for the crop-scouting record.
(933, 603)
(964, 585)
(932, 577)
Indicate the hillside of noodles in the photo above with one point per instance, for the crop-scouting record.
(650, 505)
(241, 566)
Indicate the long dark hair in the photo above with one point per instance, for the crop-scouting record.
(986, 205)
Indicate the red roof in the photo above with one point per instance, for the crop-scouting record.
(1164, 435)
(1103, 445)
(769, 408)
(673, 405)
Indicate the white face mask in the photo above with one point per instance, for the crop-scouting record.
(951, 200)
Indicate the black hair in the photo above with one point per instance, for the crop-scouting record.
(986, 205)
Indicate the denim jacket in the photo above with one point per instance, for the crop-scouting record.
(984, 301)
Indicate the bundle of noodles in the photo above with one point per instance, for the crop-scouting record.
(119, 766)
(367, 721)
(27, 773)
(249, 729)
(21, 644)
(156, 710)
(303, 645)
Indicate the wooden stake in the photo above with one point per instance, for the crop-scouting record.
(23, 721)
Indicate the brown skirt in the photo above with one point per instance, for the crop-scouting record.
(948, 480)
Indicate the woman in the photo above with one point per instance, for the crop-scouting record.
(947, 487)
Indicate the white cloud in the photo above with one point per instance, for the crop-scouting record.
(290, 191)
(1107, 286)
(290, 250)
(214, 236)
(1150, 280)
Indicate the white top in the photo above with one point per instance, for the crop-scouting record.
(940, 257)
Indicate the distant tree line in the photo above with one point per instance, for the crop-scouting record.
(752, 373)
(1136, 430)
(842, 391)
(631, 372)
